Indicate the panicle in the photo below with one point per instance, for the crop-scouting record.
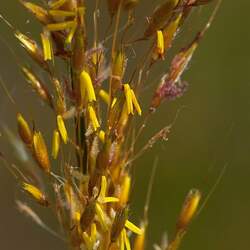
(93, 97)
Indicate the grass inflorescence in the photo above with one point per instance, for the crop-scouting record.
(95, 102)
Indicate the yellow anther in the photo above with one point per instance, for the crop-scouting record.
(93, 119)
(86, 86)
(128, 96)
(55, 144)
(101, 217)
(93, 232)
(62, 129)
(47, 46)
(105, 96)
(126, 240)
(103, 187)
(113, 102)
(133, 228)
(71, 34)
(125, 189)
(102, 136)
(160, 43)
(136, 103)
(131, 100)
(102, 196)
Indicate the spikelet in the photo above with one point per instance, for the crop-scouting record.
(37, 85)
(55, 144)
(189, 208)
(41, 152)
(35, 193)
(160, 17)
(24, 130)
(40, 13)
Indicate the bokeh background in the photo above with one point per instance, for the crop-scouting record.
(210, 136)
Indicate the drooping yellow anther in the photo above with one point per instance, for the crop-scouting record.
(103, 187)
(104, 96)
(41, 152)
(113, 102)
(62, 129)
(24, 130)
(101, 217)
(131, 100)
(160, 43)
(136, 103)
(121, 241)
(36, 193)
(86, 86)
(90, 239)
(93, 233)
(101, 136)
(133, 228)
(87, 240)
(71, 33)
(47, 46)
(102, 196)
(55, 144)
(128, 96)
(189, 208)
(126, 240)
(125, 189)
(55, 4)
(60, 26)
(93, 119)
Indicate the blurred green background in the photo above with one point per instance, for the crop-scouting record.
(211, 131)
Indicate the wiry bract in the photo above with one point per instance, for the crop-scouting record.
(97, 97)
